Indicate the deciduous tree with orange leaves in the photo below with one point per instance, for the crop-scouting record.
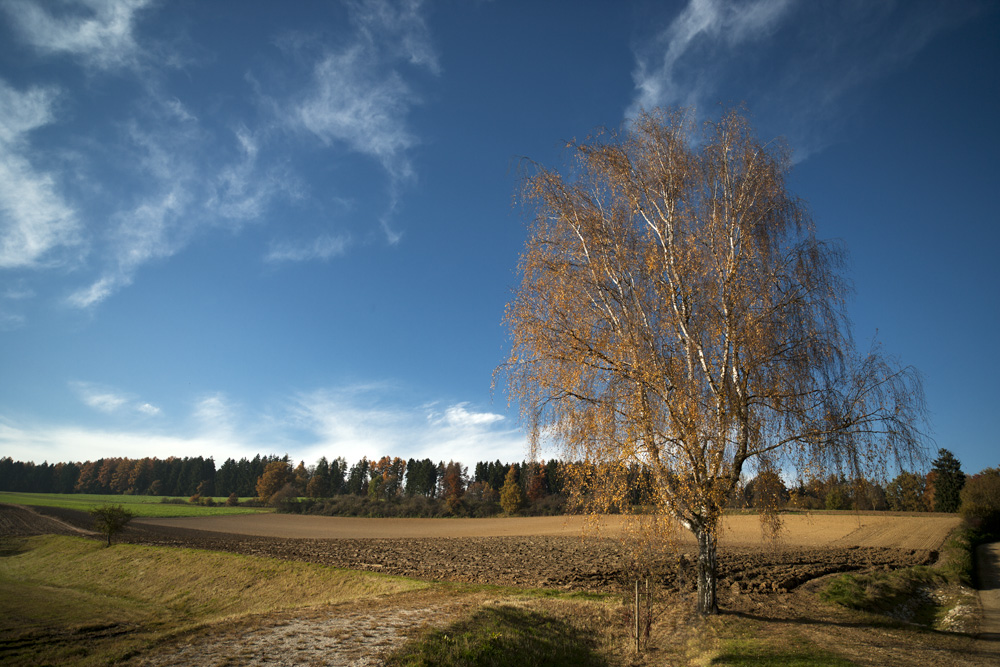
(677, 312)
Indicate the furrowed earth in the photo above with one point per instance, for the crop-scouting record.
(555, 552)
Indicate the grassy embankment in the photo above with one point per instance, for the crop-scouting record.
(140, 506)
(69, 600)
(935, 597)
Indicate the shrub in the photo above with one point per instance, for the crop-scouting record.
(233, 500)
(283, 496)
(110, 519)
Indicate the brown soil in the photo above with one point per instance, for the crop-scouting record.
(20, 521)
(529, 552)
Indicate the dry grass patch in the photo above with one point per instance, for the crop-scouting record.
(69, 599)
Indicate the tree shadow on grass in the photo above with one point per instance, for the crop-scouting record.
(497, 636)
(12, 546)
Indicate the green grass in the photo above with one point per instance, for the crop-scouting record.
(501, 635)
(70, 600)
(794, 652)
(879, 592)
(140, 506)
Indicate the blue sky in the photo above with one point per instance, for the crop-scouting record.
(230, 228)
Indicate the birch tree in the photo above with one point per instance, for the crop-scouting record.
(677, 312)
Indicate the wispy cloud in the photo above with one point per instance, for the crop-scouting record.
(678, 69)
(241, 189)
(460, 416)
(355, 104)
(183, 194)
(321, 248)
(360, 98)
(10, 321)
(100, 32)
(110, 401)
(35, 220)
(795, 75)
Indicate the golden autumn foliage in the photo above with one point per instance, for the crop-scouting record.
(511, 495)
(676, 312)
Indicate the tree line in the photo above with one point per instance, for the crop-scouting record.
(490, 486)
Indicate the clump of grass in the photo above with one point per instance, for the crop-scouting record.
(501, 635)
(880, 592)
(957, 556)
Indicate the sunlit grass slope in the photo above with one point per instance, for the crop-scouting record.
(69, 600)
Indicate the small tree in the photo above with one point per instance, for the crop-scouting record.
(453, 485)
(110, 519)
(907, 493)
(948, 482)
(511, 495)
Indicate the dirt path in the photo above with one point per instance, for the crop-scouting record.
(354, 634)
(988, 569)
(19, 520)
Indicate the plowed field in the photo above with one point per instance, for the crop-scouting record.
(554, 551)
(896, 530)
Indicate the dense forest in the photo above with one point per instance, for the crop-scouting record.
(394, 486)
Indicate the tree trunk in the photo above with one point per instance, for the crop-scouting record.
(706, 571)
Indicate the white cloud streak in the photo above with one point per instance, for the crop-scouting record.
(795, 64)
(34, 218)
(187, 195)
(663, 77)
(100, 32)
(359, 96)
(110, 401)
(322, 248)
(354, 104)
